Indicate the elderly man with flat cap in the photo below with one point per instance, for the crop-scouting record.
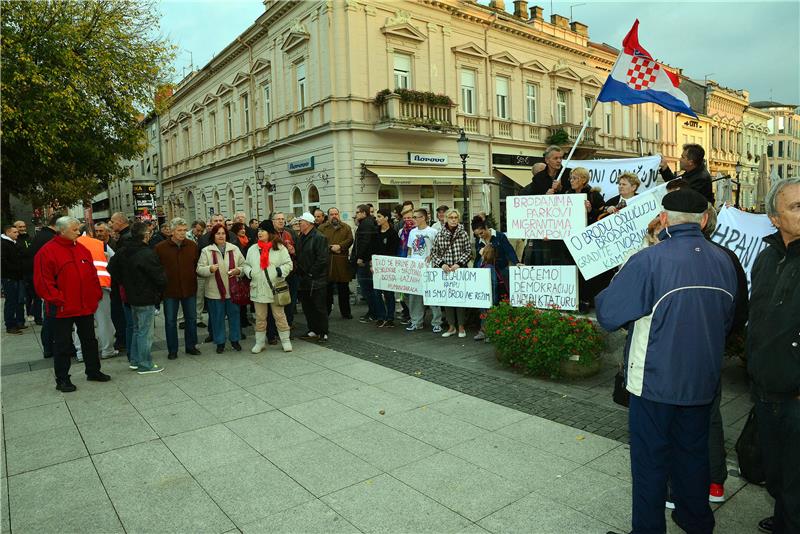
(676, 299)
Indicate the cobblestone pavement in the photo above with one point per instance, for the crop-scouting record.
(376, 432)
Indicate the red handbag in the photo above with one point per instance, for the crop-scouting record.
(239, 288)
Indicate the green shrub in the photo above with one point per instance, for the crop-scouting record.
(420, 97)
(559, 137)
(537, 341)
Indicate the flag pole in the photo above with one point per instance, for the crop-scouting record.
(583, 127)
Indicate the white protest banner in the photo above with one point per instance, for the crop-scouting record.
(544, 286)
(742, 233)
(462, 288)
(540, 216)
(608, 242)
(604, 173)
(402, 275)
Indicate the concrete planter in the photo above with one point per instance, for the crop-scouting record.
(573, 367)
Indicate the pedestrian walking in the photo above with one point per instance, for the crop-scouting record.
(312, 267)
(142, 280)
(773, 355)
(340, 239)
(450, 252)
(66, 280)
(178, 257)
(220, 263)
(267, 265)
(683, 285)
(12, 256)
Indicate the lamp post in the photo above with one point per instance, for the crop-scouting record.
(259, 172)
(463, 151)
(738, 182)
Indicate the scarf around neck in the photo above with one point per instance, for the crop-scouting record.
(265, 248)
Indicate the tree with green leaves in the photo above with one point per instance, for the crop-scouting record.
(76, 78)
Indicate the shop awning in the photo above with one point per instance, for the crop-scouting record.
(424, 175)
(520, 175)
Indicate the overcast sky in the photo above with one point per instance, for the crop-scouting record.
(742, 45)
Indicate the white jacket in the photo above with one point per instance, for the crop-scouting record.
(207, 260)
(259, 288)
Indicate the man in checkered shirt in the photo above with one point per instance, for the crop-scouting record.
(695, 173)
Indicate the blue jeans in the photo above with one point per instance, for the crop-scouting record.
(364, 277)
(385, 305)
(130, 345)
(14, 306)
(189, 305)
(142, 335)
(217, 310)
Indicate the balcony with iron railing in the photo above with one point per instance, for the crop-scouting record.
(413, 109)
(572, 131)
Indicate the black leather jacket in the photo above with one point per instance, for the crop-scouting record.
(313, 260)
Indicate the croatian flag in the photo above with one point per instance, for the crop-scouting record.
(637, 78)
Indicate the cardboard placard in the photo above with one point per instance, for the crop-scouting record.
(462, 288)
(544, 286)
(550, 216)
(401, 275)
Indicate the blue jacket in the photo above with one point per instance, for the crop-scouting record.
(676, 299)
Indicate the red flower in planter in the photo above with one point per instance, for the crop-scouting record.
(527, 330)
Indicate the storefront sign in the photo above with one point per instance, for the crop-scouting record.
(463, 288)
(426, 159)
(544, 286)
(545, 216)
(401, 275)
(302, 165)
(607, 243)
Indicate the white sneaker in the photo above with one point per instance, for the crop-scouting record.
(437, 329)
(462, 334)
(449, 333)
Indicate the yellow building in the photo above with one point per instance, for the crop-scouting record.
(756, 130)
(349, 102)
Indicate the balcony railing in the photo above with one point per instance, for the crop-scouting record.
(394, 110)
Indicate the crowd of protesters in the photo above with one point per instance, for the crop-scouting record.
(95, 292)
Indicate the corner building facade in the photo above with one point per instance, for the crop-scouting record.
(309, 94)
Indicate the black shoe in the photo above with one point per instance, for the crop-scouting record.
(583, 306)
(405, 320)
(220, 349)
(15, 331)
(322, 339)
(208, 339)
(767, 524)
(273, 341)
(172, 356)
(98, 377)
(48, 355)
(182, 325)
(66, 386)
(366, 318)
(388, 324)
(201, 324)
(236, 346)
(194, 352)
(347, 316)
(379, 323)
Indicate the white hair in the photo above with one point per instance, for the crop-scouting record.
(679, 217)
(62, 223)
(176, 222)
(772, 197)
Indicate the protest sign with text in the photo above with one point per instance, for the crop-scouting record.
(605, 173)
(462, 288)
(742, 233)
(540, 216)
(544, 286)
(608, 242)
(401, 275)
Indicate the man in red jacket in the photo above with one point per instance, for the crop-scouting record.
(65, 277)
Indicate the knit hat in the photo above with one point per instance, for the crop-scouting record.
(685, 201)
(267, 226)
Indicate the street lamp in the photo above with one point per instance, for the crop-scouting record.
(259, 172)
(463, 151)
(738, 182)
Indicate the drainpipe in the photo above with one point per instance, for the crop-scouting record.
(488, 77)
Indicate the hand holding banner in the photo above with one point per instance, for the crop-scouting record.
(605, 173)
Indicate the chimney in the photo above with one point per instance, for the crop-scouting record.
(537, 13)
(579, 28)
(520, 8)
(559, 21)
(500, 5)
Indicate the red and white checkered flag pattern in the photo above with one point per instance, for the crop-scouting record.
(642, 73)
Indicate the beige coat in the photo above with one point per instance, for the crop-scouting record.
(259, 287)
(204, 268)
